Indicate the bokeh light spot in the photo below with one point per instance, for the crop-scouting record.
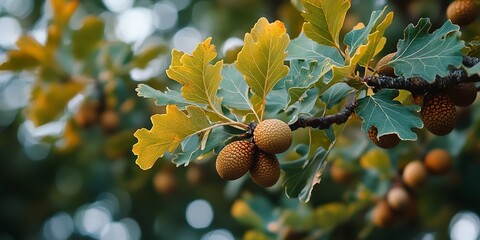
(187, 39)
(465, 226)
(59, 227)
(11, 31)
(199, 214)
(166, 15)
(118, 5)
(134, 24)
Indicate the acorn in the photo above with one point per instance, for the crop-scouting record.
(385, 141)
(438, 113)
(398, 198)
(462, 12)
(415, 174)
(235, 159)
(463, 94)
(87, 114)
(110, 121)
(386, 70)
(265, 171)
(438, 161)
(383, 215)
(272, 136)
(340, 174)
(164, 182)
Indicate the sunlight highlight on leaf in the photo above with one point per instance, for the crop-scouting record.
(261, 59)
(167, 132)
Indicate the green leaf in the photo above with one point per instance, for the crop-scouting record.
(87, 37)
(357, 37)
(234, 90)
(324, 20)
(200, 80)
(167, 132)
(261, 60)
(214, 138)
(304, 48)
(304, 106)
(302, 174)
(388, 115)
(302, 76)
(335, 94)
(425, 55)
(146, 56)
(19, 60)
(376, 40)
(169, 97)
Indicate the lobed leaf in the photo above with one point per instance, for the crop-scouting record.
(261, 60)
(388, 115)
(358, 36)
(169, 97)
(304, 48)
(425, 55)
(324, 20)
(376, 40)
(302, 174)
(167, 132)
(335, 94)
(234, 90)
(200, 80)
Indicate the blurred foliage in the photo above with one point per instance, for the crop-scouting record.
(56, 161)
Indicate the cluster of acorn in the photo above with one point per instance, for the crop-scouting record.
(462, 12)
(400, 197)
(270, 137)
(438, 111)
(91, 112)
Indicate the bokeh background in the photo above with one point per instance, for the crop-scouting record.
(94, 190)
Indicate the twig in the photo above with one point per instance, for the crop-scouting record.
(325, 122)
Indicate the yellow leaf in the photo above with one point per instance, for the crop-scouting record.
(331, 214)
(376, 41)
(324, 20)
(49, 102)
(242, 212)
(63, 9)
(261, 59)
(167, 132)
(376, 159)
(30, 46)
(200, 80)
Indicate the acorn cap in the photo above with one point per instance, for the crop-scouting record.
(272, 136)
(265, 171)
(438, 113)
(235, 159)
(385, 141)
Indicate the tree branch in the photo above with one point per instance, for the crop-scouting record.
(325, 122)
(417, 85)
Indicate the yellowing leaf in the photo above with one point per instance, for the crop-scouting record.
(348, 71)
(261, 59)
(63, 9)
(167, 132)
(324, 20)
(18, 60)
(87, 37)
(32, 47)
(48, 102)
(376, 42)
(199, 78)
(377, 159)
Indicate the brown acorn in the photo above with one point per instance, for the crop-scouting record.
(385, 141)
(386, 70)
(415, 174)
(438, 113)
(110, 121)
(383, 215)
(235, 159)
(272, 136)
(265, 171)
(462, 12)
(164, 182)
(340, 174)
(87, 114)
(438, 161)
(463, 94)
(398, 198)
